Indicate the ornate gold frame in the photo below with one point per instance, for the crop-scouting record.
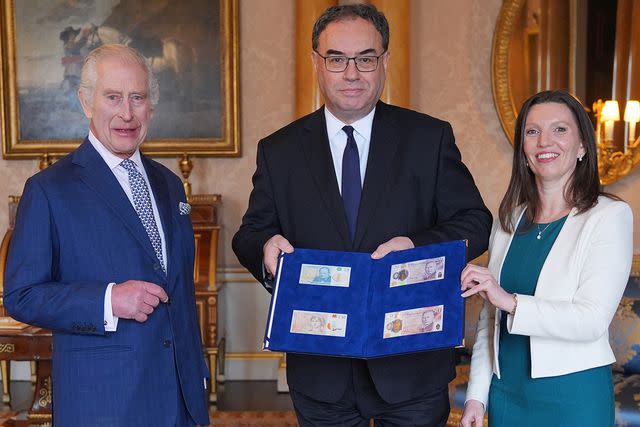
(228, 145)
(505, 105)
(500, 66)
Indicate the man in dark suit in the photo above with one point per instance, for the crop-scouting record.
(360, 175)
(102, 254)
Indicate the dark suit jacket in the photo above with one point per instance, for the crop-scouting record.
(415, 185)
(76, 231)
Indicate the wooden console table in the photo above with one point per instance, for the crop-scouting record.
(34, 344)
(31, 343)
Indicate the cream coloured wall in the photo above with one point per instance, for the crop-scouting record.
(451, 79)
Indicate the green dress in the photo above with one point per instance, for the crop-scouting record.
(582, 398)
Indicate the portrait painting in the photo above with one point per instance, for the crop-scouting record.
(191, 46)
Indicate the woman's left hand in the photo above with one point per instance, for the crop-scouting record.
(479, 280)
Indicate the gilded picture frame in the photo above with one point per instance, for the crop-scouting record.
(500, 66)
(192, 46)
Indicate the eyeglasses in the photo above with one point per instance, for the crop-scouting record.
(364, 63)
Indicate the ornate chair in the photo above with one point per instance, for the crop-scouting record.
(624, 336)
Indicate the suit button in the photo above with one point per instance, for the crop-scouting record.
(156, 267)
(167, 343)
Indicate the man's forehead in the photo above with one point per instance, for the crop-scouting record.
(111, 63)
(114, 70)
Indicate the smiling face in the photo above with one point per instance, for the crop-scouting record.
(120, 109)
(351, 94)
(552, 143)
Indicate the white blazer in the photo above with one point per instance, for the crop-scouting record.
(577, 294)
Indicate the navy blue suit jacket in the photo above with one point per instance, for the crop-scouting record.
(415, 185)
(76, 231)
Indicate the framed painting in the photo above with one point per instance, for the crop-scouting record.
(192, 46)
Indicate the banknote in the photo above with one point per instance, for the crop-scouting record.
(411, 322)
(325, 275)
(318, 323)
(423, 270)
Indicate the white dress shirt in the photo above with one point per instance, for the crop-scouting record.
(338, 141)
(121, 174)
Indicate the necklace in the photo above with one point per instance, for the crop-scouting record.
(539, 236)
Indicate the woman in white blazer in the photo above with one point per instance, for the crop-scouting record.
(559, 260)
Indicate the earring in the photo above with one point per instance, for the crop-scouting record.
(526, 163)
(580, 158)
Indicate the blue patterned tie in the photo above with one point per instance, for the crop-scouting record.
(351, 183)
(142, 204)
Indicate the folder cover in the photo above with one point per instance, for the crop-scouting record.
(347, 304)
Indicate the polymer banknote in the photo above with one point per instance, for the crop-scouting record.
(325, 275)
(421, 320)
(423, 270)
(318, 323)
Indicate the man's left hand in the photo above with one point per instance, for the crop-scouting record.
(396, 244)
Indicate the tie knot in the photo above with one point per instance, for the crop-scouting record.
(349, 131)
(129, 165)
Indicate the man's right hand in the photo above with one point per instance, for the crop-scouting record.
(271, 251)
(135, 299)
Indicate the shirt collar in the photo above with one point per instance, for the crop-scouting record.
(362, 126)
(111, 159)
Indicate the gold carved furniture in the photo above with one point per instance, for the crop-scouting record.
(206, 230)
(30, 343)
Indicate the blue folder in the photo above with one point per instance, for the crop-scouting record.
(380, 312)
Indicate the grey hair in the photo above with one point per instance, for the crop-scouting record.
(89, 74)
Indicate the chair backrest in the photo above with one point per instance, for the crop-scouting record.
(624, 331)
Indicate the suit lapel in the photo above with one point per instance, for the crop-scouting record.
(500, 244)
(318, 155)
(163, 202)
(95, 173)
(382, 149)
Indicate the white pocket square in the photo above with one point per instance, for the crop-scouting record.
(184, 208)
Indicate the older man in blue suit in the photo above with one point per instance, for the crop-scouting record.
(102, 254)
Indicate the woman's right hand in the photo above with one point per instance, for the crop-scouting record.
(473, 415)
(480, 280)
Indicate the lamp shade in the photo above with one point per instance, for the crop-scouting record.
(632, 112)
(610, 111)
